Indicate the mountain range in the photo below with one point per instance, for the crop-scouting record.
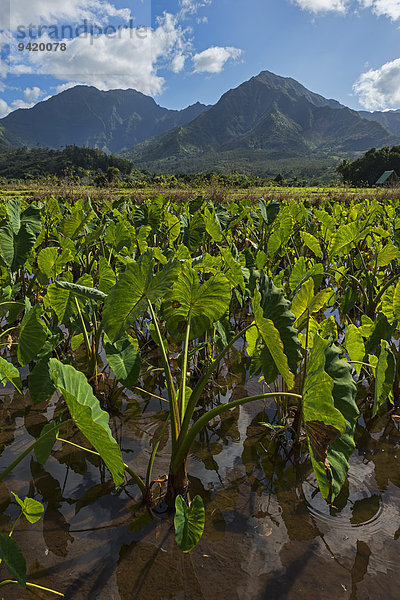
(267, 118)
(389, 119)
(111, 121)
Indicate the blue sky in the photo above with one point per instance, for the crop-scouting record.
(183, 51)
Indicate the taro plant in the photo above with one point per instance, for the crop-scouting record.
(185, 304)
(98, 284)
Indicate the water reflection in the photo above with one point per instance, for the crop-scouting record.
(268, 532)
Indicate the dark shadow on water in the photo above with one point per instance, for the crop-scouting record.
(281, 582)
(360, 567)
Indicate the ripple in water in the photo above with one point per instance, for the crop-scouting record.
(361, 514)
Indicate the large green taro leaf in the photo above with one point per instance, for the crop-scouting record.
(269, 211)
(192, 229)
(189, 522)
(330, 415)
(124, 360)
(344, 392)
(40, 384)
(205, 303)
(51, 263)
(382, 330)
(86, 413)
(346, 237)
(61, 295)
(32, 336)
(277, 308)
(384, 376)
(272, 340)
(212, 225)
(128, 299)
(323, 422)
(90, 293)
(396, 301)
(354, 344)
(18, 233)
(106, 276)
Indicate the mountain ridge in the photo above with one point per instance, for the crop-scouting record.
(111, 120)
(271, 113)
(268, 116)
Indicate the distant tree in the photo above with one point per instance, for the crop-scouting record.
(113, 175)
(367, 169)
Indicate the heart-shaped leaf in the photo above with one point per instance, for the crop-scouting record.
(189, 522)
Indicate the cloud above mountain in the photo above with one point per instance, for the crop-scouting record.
(379, 89)
(213, 59)
(24, 12)
(126, 59)
(107, 48)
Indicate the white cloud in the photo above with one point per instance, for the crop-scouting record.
(387, 8)
(321, 6)
(213, 59)
(191, 7)
(129, 59)
(25, 12)
(178, 63)
(21, 104)
(32, 94)
(380, 88)
(65, 86)
(4, 108)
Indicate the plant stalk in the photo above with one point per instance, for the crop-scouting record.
(188, 440)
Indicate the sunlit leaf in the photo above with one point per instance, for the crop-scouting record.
(106, 276)
(311, 242)
(204, 303)
(31, 509)
(51, 263)
(124, 360)
(354, 344)
(278, 309)
(212, 226)
(128, 298)
(9, 373)
(82, 290)
(272, 340)
(86, 413)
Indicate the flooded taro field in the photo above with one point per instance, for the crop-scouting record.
(268, 532)
(199, 401)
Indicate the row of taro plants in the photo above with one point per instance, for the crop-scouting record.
(312, 294)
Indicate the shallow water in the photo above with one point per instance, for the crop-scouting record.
(268, 532)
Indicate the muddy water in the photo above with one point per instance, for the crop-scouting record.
(268, 532)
